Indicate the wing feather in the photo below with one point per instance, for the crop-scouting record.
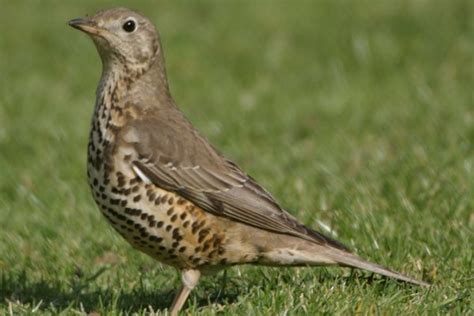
(191, 167)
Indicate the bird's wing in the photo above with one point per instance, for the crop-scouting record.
(173, 156)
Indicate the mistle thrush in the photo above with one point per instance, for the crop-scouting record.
(165, 189)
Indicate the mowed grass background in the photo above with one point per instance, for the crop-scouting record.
(356, 115)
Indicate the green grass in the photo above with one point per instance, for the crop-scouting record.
(358, 114)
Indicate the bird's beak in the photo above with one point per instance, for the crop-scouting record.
(86, 25)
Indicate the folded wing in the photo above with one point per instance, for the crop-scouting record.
(182, 161)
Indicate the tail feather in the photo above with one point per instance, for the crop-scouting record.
(351, 260)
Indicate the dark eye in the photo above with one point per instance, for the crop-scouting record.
(129, 26)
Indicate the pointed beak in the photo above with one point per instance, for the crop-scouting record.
(86, 25)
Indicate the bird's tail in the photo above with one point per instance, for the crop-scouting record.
(348, 259)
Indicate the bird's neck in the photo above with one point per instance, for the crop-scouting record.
(109, 105)
(121, 87)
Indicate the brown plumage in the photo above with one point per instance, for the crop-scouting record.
(165, 189)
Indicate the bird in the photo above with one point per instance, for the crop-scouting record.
(162, 185)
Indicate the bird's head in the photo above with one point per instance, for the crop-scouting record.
(121, 36)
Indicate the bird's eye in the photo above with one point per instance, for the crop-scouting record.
(129, 26)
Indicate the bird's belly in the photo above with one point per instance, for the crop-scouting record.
(160, 223)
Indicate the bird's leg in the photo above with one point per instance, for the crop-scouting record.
(189, 278)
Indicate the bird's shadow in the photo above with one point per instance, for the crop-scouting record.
(77, 294)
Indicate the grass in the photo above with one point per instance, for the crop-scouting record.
(357, 115)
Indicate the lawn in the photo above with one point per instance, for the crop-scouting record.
(357, 115)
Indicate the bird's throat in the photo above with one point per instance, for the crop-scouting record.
(107, 117)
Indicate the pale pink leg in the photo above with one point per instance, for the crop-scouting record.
(189, 278)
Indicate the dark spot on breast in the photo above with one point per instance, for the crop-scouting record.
(164, 198)
(121, 180)
(202, 234)
(170, 211)
(174, 217)
(130, 222)
(176, 233)
(159, 224)
(183, 216)
(168, 228)
(201, 239)
(171, 201)
(123, 203)
(216, 241)
(132, 211)
(135, 189)
(137, 198)
(182, 249)
(197, 225)
(223, 261)
(181, 201)
(144, 216)
(186, 224)
(152, 223)
(197, 249)
(115, 190)
(205, 247)
(155, 239)
(175, 244)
